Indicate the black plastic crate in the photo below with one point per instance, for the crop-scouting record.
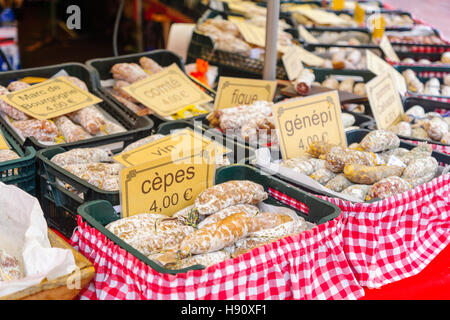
(136, 127)
(100, 213)
(63, 203)
(229, 64)
(425, 73)
(317, 31)
(312, 47)
(19, 172)
(353, 136)
(428, 105)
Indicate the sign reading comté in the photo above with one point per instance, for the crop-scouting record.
(302, 121)
(240, 91)
(166, 186)
(167, 92)
(50, 99)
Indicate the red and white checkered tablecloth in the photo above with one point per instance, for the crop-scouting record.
(396, 238)
(311, 265)
(435, 147)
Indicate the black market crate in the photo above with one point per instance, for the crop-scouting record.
(19, 172)
(98, 214)
(353, 136)
(62, 204)
(425, 73)
(101, 68)
(318, 31)
(229, 64)
(136, 128)
(428, 105)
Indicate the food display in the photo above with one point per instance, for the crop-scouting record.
(445, 59)
(351, 38)
(225, 221)
(254, 123)
(432, 87)
(226, 36)
(376, 167)
(422, 125)
(342, 57)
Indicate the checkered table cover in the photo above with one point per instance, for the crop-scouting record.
(311, 265)
(436, 147)
(397, 237)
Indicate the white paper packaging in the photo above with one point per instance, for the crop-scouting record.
(23, 234)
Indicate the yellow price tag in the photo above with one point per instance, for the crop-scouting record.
(166, 185)
(359, 14)
(51, 98)
(338, 4)
(175, 144)
(241, 91)
(378, 25)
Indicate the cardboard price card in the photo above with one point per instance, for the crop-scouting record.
(167, 92)
(50, 99)
(174, 145)
(302, 121)
(386, 46)
(384, 100)
(306, 35)
(306, 57)
(241, 91)
(379, 66)
(166, 186)
(292, 63)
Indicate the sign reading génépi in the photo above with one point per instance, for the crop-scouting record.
(302, 121)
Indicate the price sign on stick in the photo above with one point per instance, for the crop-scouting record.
(379, 66)
(166, 185)
(240, 91)
(292, 63)
(174, 145)
(51, 98)
(167, 92)
(386, 46)
(306, 35)
(302, 121)
(384, 100)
